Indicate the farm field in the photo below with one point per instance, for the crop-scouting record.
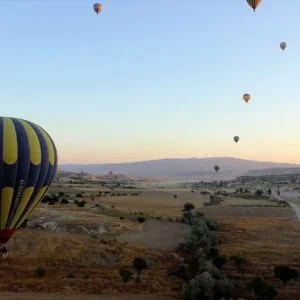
(82, 248)
(265, 242)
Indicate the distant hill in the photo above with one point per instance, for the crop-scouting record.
(273, 171)
(175, 168)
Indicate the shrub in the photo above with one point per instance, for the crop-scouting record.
(285, 274)
(126, 274)
(220, 261)
(200, 287)
(223, 288)
(24, 224)
(141, 219)
(64, 201)
(40, 272)
(262, 290)
(212, 225)
(61, 194)
(240, 262)
(81, 204)
(139, 264)
(188, 206)
(79, 195)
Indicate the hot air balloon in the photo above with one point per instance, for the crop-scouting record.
(97, 8)
(236, 139)
(217, 168)
(254, 3)
(246, 97)
(27, 168)
(283, 45)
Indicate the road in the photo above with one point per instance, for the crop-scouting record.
(289, 199)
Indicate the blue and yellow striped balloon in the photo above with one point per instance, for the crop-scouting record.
(28, 163)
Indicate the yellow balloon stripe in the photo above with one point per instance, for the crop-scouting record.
(49, 146)
(35, 202)
(10, 143)
(34, 143)
(25, 198)
(6, 199)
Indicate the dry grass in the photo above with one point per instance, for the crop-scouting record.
(94, 265)
(265, 243)
(154, 203)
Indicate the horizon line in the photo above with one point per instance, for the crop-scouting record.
(178, 158)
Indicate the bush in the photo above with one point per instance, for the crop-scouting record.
(188, 206)
(79, 195)
(81, 203)
(220, 261)
(212, 225)
(240, 262)
(223, 288)
(71, 275)
(24, 224)
(262, 290)
(175, 196)
(64, 201)
(200, 287)
(46, 199)
(285, 274)
(139, 264)
(126, 274)
(141, 219)
(121, 218)
(40, 272)
(61, 194)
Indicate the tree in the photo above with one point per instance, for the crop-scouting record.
(141, 219)
(139, 264)
(240, 262)
(126, 274)
(285, 273)
(188, 206)
(262, 290)
(220, 261)
(259, 193)
(270, 191)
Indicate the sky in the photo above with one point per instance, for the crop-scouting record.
(154, 79)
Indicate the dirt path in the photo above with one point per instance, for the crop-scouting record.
(158, 235)
(39, 296)
(289, 197)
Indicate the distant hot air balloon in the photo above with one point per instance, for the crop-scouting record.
(246, 97)
(254, 3)
(217, 168)
(28, 163)
(236, 139)
(283, 45)
(97, 8)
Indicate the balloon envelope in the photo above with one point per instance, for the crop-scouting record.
(254, 3)
(236, 139)
(28, 165)
(97, 8)
(246, 97)
(217, 168)
(283, 45)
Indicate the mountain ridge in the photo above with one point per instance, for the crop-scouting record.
(180, 168)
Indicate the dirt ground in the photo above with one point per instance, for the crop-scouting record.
(40, 296)
(158, 235)
(254, 212)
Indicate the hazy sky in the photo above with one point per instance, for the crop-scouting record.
(150, 79)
